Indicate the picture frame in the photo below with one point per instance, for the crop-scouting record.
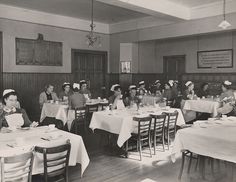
(215, 59)
(125, 66)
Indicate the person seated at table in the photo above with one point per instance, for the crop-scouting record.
(188, 94)
(189, 91)
(141, 89)
(156, 88)
(84, 89)
(11, 116)
(77, 100)
(114, 100)
(131, 99)
(66, 92)
(167, 91)
(47, 95)
(227, 99)
(204, 91)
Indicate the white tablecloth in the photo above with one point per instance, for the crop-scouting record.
(121, 121)
(57, 111)
(32, 138)
(215, 139)
(207, 106)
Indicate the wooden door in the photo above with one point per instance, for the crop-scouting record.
(174, 67)
(92, 67)
(1, 65)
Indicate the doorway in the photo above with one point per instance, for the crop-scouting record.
(174, 67)
(92, 67)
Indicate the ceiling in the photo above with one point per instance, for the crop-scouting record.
(103, 13)
(194, 3)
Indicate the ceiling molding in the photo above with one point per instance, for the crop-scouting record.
(38, 17)
(153, 7)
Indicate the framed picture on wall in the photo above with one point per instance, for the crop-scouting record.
(125, 66)
(215, 58)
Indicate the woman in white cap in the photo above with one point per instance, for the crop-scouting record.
(156, 88)
(66, 92)
(189, 92)
(114, 100)
(226, 98)
(47, 95)
(167, 91)
(142, 90)
(12, 117)
(131, 98)
(77, 100)
(84, 89)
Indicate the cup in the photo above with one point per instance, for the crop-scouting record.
(51, 101)
(99, 98)
(51, 126)
(57, 102)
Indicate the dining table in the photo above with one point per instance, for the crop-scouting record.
(24, 139)
(121, 121)
(207, 105)
(214, 138)
(61, 111)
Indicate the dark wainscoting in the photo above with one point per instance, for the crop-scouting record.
(30, 85)
(214, 80)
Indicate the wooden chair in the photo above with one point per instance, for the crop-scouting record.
(104, 105)
(158, 130)
(22, 169)
(55, 161)
(143, 134)
(80, 119)
(170, 125)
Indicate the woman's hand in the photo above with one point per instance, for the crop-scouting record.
(34, 124)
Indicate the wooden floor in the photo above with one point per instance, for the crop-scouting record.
(159, 168)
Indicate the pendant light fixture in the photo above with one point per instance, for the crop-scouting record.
(224, 24)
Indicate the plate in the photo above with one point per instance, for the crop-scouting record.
(24, 128)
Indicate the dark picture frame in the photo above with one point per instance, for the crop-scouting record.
(222, 58)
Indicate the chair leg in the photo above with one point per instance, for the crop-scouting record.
(140, 149)
(190, 162)
(182, 166)
(154, 144)
(163, 142)
(168, 140)
(149, 143)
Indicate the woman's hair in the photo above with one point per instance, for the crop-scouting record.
(117, 87)
(82, 82)
(167, 83)
(204, 84)
(8, 95)
(47, 86)
(64, 85)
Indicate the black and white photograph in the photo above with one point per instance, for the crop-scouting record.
(118, 90)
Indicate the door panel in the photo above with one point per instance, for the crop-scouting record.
(174, 67)
(90, 66)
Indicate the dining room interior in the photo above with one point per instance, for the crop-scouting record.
(118, 90)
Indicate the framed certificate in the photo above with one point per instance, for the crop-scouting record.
(215, 59)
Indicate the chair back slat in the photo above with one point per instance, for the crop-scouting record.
(56, 160)
(80, 113)
(144, 124)
(92, 108)
(171, 121)
(159, 124)
(21, 170)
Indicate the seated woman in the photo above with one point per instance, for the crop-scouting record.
(227, 99)
(11, 116)
(204, 91)
(188, 95)
(142, 90)
(168, 94)
(156, 88)
(131, 99)
(84, 90)
(66, 92)
(114, 100)
(189, 92)
(76, 100)
(47, 95)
